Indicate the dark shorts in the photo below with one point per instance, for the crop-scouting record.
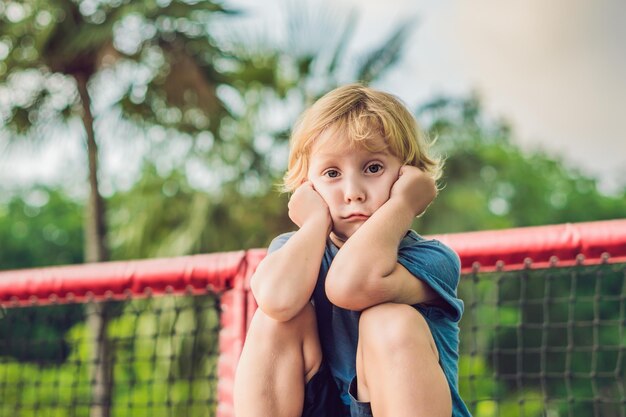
(322, 398)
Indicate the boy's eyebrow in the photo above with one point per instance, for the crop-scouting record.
(327, 155)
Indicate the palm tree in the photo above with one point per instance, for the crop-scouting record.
(269, 76)
(52, 41)
(70, 42)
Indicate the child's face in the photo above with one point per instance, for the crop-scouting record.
(353, 182)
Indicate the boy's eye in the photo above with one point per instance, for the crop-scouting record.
(331, 173)
(374, 168)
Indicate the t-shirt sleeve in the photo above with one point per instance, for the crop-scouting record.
(438, 266)
(279, 241)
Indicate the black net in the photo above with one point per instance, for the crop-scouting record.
(158, 358)
(533, 343)
(545, 342)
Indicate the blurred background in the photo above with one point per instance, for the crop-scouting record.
(159, 128)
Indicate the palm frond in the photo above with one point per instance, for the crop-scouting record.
(343, 42)
(376, 62)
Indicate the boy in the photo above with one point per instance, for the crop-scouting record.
(358, 315)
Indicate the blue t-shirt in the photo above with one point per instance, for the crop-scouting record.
(435, 264)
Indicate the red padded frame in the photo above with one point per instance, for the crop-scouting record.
(510, 249)
(228, 274)
(540, 246)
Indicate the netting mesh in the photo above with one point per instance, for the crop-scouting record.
(162, 354)
(545, 342)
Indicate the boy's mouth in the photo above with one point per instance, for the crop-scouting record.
(356, 217)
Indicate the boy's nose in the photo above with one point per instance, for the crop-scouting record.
(354, 191)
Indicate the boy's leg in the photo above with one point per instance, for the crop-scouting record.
(278, 358)
(398, 369)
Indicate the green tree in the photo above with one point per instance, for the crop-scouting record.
(40, 227)
(166, 216)
(269, 77)
(50, 54)
(489, 182)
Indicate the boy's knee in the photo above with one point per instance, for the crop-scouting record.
(296, 338)
(394, 328)
(265, 329)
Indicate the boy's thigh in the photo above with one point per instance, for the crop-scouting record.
(396, 349)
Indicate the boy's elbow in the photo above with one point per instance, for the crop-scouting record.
(347, 294)
(355, 285)
(272, 304)
(353, 301)
(272, 307)
(347, 303)
(278, 314)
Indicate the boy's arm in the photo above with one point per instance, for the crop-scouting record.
(284, 281)
(365, 271)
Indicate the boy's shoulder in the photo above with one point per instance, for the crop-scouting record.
(414, 240)
(437, 265)
(279, 241)
(428, 250)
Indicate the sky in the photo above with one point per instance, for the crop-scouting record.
(555, 70)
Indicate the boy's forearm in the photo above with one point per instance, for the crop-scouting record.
(377, 240)
(372, 252)
(284, 281)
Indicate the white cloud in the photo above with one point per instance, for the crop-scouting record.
(555, 69)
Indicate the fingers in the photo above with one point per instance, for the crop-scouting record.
(307, 183)
(305, 204)
(404, 170)
(410, 170)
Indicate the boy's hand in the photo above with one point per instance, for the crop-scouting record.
(415, 188)
(306, 204)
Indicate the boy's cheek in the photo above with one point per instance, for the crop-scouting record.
(327, 197)
(390, 188)
(319, 187)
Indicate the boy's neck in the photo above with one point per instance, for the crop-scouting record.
(336, 240)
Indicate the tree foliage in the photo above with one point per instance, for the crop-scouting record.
(235, 99)
(272, 83)
(489, 182)
(51, 53)
(40, 227)
(47, 42)
(167, 217)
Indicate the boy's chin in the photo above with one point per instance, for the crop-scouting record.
(340, 237)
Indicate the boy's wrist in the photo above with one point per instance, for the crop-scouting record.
(406, 208)
(321, 220)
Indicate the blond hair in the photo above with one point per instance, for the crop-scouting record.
(358, 114)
